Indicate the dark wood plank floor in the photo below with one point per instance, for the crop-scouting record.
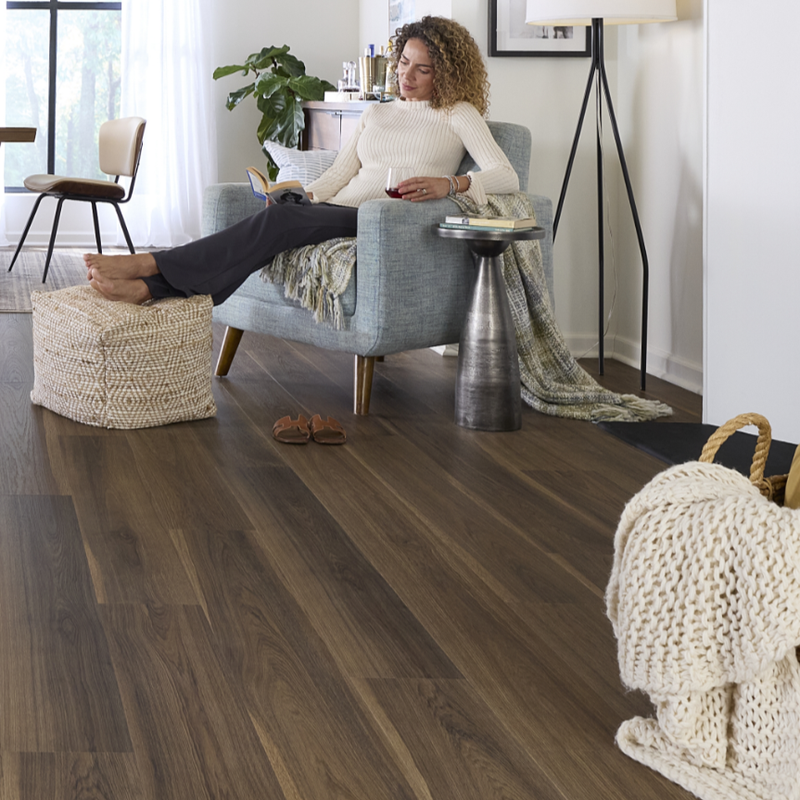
(199, 612)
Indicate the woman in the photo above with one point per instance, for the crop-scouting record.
(439, 116)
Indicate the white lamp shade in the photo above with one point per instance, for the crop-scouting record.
(612, 12)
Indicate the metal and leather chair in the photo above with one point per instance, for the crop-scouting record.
(120, 146)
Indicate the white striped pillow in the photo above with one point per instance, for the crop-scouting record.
(300, 165)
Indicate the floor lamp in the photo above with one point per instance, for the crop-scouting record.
(598, 13)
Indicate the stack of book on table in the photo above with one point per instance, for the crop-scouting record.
(489, 223)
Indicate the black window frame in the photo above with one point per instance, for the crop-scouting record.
(54, 6)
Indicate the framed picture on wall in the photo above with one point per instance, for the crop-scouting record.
(510, 36)
(401, 12)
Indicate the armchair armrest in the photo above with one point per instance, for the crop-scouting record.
(413, 287)
(227, 203)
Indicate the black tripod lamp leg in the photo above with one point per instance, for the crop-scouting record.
(601, 249)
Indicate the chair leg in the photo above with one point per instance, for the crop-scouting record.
(53, 237)
(96, 228)
(364, 368)
(230, 342)
(27, 228)
(124, 227)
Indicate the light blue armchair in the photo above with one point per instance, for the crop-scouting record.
(410, 288)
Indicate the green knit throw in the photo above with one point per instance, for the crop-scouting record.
(317, 276)
(552, 380)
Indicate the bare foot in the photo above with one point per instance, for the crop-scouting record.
(124, 267)
(124, 291)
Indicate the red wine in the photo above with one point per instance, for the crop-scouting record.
(394, 193)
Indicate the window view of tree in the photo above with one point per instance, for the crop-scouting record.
(83, 86)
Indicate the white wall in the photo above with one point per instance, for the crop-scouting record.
(752, 207)
(660, 107)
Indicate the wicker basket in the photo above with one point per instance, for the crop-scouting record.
(773, 488)
(118, 365)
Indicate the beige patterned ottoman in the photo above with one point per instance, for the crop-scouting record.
(118, 365)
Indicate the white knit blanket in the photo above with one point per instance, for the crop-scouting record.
(704, 597)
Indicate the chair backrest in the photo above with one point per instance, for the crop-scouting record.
(515, 142)
(120, 145)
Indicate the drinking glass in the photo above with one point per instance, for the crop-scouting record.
(396, 176)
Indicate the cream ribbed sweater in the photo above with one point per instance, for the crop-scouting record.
(432, 141)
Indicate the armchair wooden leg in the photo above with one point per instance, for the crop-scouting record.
(364, 367)
(228, 350)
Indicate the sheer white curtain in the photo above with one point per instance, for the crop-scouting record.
(3, 238)
(166, 78)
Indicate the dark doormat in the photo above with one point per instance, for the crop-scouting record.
(678, 442)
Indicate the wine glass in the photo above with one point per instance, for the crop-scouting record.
(395, 177)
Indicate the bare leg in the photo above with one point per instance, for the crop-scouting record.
(122, 290)
(123, 267)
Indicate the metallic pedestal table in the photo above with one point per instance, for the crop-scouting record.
(488, 383)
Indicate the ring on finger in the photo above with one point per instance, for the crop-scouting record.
(424, 191)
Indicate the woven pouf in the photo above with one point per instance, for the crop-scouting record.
(118, 365)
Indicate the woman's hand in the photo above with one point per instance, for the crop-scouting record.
(417, 190)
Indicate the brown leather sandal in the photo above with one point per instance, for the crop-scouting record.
(330, 432)
(291, 431)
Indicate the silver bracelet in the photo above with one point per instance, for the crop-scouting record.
(453, 189)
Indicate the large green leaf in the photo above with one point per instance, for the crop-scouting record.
(221, 72)
(234, 98)
(264, 59)
(274, 105)
(267, 85)
(272, 167)
(292, 66)
(284, 128)
(308, 88)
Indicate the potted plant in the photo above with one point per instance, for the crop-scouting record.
(280, 86)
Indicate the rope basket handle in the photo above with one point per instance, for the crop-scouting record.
(724, 432)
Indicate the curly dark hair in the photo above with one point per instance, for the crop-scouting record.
(460, 74)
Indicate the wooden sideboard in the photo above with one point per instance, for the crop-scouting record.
(330, 125)
(17, 134)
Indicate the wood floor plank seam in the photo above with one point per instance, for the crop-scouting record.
(452, 547)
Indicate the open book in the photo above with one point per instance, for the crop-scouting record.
(283, 192)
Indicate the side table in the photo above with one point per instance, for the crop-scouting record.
(488, 383)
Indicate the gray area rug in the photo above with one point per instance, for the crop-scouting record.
(66, 269)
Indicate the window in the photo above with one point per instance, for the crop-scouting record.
(62, 76)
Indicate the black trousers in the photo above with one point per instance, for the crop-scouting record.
(220, 263)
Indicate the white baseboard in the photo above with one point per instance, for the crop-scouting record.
(673, 369)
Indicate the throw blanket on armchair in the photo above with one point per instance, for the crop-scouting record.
(704, 597)
(552, 380)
